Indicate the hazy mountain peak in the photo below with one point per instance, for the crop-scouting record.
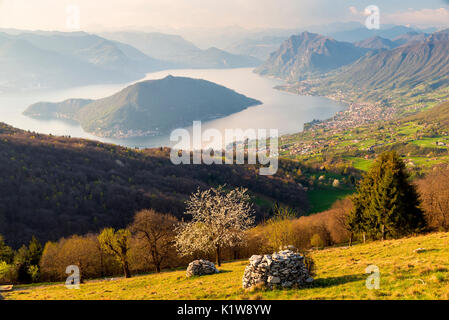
(376, 43)
(307, 53)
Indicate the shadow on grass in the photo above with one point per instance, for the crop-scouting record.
(427, 250)
(224, 271)
(335, 281)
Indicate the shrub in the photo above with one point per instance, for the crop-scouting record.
(34, 273)
(7, 273)
(316, 241)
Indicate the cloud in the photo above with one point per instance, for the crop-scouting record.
(353, 10)
(424, 17)
(115, 14)
(51, 14)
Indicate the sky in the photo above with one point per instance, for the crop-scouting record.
(100, 15)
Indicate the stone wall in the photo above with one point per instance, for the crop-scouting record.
(284, 268)
(200, 268)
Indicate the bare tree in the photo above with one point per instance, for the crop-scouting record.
(219, 220)
(83, 252)
(434, 192)
(157, 232)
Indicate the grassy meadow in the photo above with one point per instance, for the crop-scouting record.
(404, 274)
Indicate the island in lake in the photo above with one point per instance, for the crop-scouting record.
(147, 108)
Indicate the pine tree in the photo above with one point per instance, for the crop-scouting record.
(34, 251)
(6, 253)
(386, 204)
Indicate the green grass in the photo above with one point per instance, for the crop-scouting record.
(404, 274)
(360, 163)
(431, 142)
(426, 162)
(321, 199)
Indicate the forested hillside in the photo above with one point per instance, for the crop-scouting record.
(52, 187)
(148, 108)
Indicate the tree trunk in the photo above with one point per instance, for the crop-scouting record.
(126, 269)
(156, 259)
(350, 239)
(81, 269)
(217, 256)
(101, 264)
(383, 232)
(364, 237)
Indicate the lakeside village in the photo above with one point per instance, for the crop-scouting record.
(356, 115)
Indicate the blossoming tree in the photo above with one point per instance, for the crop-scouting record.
(219, 220)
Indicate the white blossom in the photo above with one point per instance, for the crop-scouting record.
(219, 220)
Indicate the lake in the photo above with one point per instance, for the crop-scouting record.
(280, 110)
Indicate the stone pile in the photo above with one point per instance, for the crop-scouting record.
(200, 268)
(284, 268)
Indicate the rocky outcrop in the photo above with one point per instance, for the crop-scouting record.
(284, 268)
(309, 54)
(200, 268)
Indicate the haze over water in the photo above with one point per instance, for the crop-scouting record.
(280, 110)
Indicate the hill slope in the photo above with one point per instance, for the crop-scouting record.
(98, 51)
(57, 59)
(376, 43)
(150, 107)
(66, 109)
(52, 187)
(412, 74)
(25, 66)
(307, 54)
(437, 116)
(404, 274)
(407, 66)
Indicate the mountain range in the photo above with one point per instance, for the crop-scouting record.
(55, 59)
(307, 54)
(47, 60)
(415, 63)
(260, 48)
(180, 52)
(362, 33)
(373, 64)
(147, 108)
(262, 43)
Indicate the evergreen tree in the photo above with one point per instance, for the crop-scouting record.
(386, 204)
(6, 253)
(34, 252)
(358, 219)
(26, 261)
(21, 264)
